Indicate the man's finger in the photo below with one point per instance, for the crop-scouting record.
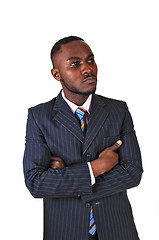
(55, 164)
(115, 146)
(54, 158)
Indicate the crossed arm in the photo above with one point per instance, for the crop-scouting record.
(47, 176)
(107, 159)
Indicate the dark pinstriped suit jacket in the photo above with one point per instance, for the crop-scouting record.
(52, 129)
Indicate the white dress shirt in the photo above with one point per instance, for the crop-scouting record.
(86, 106)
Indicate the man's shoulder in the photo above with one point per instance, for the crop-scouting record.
(110, 102)
(43, 106)
(44, 109)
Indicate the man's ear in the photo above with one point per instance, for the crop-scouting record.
(55, 73)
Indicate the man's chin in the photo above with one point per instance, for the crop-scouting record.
(87, 93)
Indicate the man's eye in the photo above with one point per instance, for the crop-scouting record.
(91, 60)
(76, 63)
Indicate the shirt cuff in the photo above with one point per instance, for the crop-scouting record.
(91, 174)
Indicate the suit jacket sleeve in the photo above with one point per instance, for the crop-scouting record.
(43, 181)
(128, 172)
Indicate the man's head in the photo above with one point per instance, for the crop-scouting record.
(74, 66)
(61, 42)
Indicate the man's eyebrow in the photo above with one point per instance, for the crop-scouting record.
(73, 58)
(91, 55)
(78, 58)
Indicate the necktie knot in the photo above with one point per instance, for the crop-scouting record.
(80, 112)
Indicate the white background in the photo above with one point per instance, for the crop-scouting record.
(124, 36)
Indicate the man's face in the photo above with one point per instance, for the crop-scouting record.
(76, 68)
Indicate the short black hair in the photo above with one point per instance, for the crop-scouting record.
(62, 41)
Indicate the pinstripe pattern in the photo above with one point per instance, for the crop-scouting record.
(52, 129)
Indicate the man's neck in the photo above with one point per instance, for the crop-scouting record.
(74, 106)
(76, 98)
(79, 100)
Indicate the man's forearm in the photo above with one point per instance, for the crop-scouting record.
(106, 161)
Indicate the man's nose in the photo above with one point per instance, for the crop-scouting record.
(86, 69)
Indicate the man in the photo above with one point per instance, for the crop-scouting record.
(82, 164)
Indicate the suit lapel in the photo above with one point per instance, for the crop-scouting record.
(98, 115)
(64, 115)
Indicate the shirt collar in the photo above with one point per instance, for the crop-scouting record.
(73, 106)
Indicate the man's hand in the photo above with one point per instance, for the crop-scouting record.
(108, 158)
(57, 162)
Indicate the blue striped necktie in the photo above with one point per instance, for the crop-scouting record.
(80, 112)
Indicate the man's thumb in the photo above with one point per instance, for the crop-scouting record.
(115, 146)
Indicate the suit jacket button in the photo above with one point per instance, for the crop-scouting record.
(89, 155)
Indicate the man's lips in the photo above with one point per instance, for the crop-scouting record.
(90, 79)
